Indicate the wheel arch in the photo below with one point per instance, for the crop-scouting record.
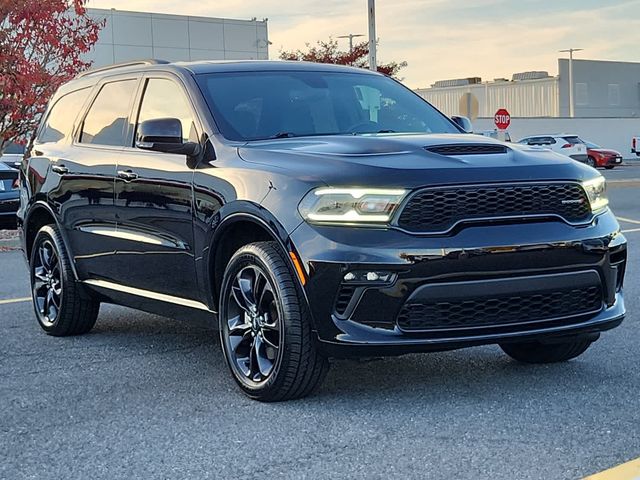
(239, 229)
(39, 215)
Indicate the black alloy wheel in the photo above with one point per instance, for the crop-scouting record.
(253, 326)
(47, 283)
(265, 328)
(62, 306)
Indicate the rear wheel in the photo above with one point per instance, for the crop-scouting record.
(591, 162)
(536, 352)
(265, 330)
(61, 305)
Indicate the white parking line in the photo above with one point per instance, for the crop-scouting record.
(631, 230)
(15, 300)
(628, 220)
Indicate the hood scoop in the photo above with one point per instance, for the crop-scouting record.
(468, 149)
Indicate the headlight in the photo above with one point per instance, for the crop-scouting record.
(596, 190)
(350, 205)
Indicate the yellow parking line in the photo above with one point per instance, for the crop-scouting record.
(628, 220)
(15, 300)
(626, 471)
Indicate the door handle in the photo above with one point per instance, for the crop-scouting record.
(127, 175)
(61, 169)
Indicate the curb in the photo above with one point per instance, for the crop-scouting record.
(9, 244)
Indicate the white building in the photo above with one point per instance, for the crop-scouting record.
(136, 35)
(601, 90)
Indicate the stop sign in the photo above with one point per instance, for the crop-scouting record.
(502, 119)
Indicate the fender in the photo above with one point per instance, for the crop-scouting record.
(38, 205)
(246, 211)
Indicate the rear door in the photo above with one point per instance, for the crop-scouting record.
(88, 171)
(154, 200)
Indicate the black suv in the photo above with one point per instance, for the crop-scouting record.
(316, 211)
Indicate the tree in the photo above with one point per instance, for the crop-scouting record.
(41, 47)
(328, 52)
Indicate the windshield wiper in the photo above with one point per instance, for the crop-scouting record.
(379, 131)
(283, 135)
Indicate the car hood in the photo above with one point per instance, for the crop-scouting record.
(605, 151)
(404, 160)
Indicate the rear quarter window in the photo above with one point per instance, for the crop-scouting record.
(60, 119)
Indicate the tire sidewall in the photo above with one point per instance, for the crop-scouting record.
(246, 256)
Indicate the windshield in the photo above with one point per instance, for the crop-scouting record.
(262, 105)
(592, 145)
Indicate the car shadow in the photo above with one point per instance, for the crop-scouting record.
(469, 375)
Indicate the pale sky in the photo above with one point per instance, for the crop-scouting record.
(440, 39)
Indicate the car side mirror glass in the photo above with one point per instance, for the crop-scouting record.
(164, 135)
(463, 122)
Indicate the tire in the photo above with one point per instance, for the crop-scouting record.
(536, 352)
(591, 162)
(609, 167)
(61, 304)
(268, 343)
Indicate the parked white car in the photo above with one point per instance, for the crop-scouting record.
(635, 146)
(566, 144)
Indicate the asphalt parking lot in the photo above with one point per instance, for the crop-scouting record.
(143, 396)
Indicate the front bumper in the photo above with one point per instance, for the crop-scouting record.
(460, 284)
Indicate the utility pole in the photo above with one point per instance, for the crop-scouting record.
(571, 102)
(351, 36)
(373, 62)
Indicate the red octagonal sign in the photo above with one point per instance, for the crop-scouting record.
(502, 119)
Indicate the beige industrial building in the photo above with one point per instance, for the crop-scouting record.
(136, 35)
(602, 89)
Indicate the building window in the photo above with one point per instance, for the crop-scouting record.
(582, 94)
(614, 94)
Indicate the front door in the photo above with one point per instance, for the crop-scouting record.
(154, 202)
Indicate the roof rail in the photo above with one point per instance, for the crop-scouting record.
(151, 61)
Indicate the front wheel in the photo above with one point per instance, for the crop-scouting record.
(591, 162)
(265, 330)
(536, 352)
(609, 167)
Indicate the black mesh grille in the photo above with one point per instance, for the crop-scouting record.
(439, 209)
(469, 149)
(497, 311)
(344, 297)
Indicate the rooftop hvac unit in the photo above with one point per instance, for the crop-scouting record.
(535, 75)
(457, 82)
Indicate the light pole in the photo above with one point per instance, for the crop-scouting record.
(373, 62)
(571, 103)
(351, 36)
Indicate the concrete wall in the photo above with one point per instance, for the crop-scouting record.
(615, 133)
(602, 89)
(135, 36)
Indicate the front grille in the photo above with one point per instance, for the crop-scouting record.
(468, 149)
(499, 310)
(439, 209)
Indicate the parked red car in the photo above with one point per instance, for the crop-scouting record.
(602, 157)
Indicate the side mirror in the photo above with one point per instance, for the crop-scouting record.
(463, 122)
(164, 135)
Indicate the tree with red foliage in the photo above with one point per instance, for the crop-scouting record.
(328, 52)
(41, 47)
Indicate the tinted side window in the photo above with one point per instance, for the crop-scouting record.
(106, 122)
(59, 122)
(165, 99)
